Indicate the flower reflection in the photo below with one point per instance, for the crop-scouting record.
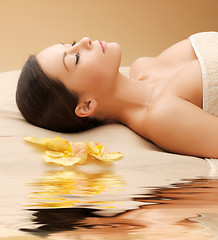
(64, 189)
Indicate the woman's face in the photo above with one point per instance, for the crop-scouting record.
(85, 67)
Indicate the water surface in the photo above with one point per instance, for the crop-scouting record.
(76, 204)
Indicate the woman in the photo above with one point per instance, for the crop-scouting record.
(74, 87)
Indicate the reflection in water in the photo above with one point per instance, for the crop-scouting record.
(183, 211)
(69, 188)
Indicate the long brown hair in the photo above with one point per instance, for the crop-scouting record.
(47, 103)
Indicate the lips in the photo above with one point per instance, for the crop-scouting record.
(103, 45)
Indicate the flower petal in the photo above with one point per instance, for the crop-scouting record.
(40, 141)
(54, 154)
(56, 144)
(108, 157)
(64, 161)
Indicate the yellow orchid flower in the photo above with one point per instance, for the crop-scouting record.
(63, 153)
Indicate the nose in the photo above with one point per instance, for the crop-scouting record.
(83, 43)
(86, 41)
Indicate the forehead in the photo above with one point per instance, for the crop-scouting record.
(50, 59)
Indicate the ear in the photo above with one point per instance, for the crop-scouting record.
(85, 109)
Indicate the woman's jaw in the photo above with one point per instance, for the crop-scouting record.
(127, 98)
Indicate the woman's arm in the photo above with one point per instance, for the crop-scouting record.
(179, 126)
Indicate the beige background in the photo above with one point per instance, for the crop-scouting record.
(142, 27)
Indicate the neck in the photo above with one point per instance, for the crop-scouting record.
(128, 97)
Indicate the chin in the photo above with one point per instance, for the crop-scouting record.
(114, 54)
(116, 46)
(117, 52)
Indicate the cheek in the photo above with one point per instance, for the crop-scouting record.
(95, 70)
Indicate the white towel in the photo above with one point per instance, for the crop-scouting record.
(205, 45)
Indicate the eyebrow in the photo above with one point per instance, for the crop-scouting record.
(64, 55)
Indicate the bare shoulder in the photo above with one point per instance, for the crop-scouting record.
(179, 126)
(140, 65)
(166, 115)
(181, 51)
(156, 118)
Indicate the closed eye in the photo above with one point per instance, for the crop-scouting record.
(72, 44)
(64, 55)
(77, 57)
